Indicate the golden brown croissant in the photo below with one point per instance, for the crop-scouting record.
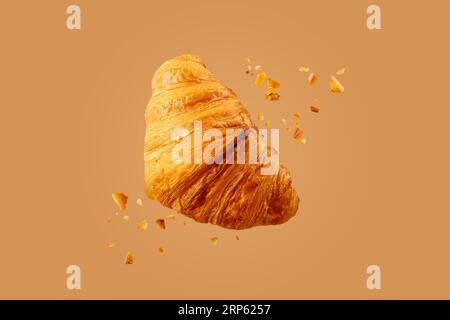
(235, 196)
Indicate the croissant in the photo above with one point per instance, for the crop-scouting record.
(234, 196)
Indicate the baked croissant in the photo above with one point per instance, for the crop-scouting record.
(235, 196)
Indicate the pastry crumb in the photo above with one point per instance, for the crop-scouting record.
(237, 237)
(303, 69)
(161, 223)
(298, 134)
(335, 85)
(129, 259)
(143, 225)
(214, 240)
(260, 117)
(314, 109)
(273, 84)
(126, 218)
(312, 78)
(110, 245)
(120, 199)
(340, 72)
(260, 78)
(272, 96)
(161, 249)
(139, 202)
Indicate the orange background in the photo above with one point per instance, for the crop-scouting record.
(372, 178)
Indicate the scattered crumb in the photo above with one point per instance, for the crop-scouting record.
(335, 85)
(314, 109)
(303, 140)
(298, 134)
(248, 60)
(120, 199)
(260, 78)
(303, 69)
(108, 220)
(340, 72)
(237, 237)
(258, 67)
(214, 240)
(171, 217)
(273, 84)
(289, 128)
(143, 225)
(283, 120)
(312, 78)
(129, 259)
(139, 202)
(126, 218)
(110, 245)
(260, 117)
(184, 223)
(161, 249)
(267, 123)
(272, 96)
(297, 115)
(161, 223)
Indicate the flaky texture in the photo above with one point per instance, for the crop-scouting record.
(234, 196)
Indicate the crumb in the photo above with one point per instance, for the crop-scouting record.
(340, 72)
(312, 78)
(184, 223)
(260, 79)
(260, 117)
(267, 123)
(297, 115)
(314, 109)
(120, 199)
(126, 218)
(108, 220)
(303, 69)
(142, 225)
(273, 84)
(110, 245)
(283, 120)
(298, 134)
(258, 67)
(335, 85)
(139, 202)
(129, 259)
(161, 249)
(272, 96)
(237, 237)
(248, 60)
(303, 140)
(161, 223)
(214, 240)
(171, 217)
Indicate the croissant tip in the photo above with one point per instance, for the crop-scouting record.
(190, 57)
